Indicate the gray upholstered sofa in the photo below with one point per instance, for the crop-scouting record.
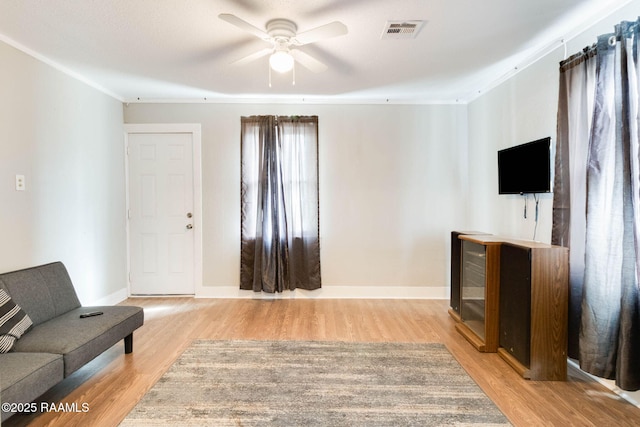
(60, 341)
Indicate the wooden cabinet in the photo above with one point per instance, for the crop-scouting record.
(514, 300)
(480, 287)
(534, 309)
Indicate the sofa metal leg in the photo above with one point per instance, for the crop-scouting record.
(128, 343)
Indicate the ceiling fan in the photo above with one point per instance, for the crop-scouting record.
(284, 39)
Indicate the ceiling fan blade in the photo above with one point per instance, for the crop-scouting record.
(332, 29)
(308, 61)
(249, 58)
(244, 25)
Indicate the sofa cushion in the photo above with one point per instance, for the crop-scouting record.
(43, 292)
(80, 340)
(25, 376)
(14, 322)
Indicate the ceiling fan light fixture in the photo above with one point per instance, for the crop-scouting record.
(281, 61)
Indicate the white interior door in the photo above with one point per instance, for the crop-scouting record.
(161, 213)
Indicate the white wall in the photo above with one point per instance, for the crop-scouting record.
(392, 186)
(520, 110)
(395, 180)
(66, 138)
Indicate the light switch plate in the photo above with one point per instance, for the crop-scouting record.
(20, 184)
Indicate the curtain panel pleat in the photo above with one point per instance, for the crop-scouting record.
(280, 246)
(575, 112)
(602, 228)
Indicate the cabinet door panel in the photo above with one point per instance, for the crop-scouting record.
(473, 279)
(515, 302)
(456, 254)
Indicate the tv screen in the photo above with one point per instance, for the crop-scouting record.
(525, 168)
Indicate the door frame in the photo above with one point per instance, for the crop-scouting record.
(195, 129)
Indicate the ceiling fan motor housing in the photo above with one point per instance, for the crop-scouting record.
(281, 29)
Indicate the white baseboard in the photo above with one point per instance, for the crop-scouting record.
(112, 299)
(632, 397)
(331, 292)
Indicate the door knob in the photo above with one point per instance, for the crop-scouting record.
(189, 226)
(189, 215)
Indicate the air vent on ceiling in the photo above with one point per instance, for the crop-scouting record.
(401, 29)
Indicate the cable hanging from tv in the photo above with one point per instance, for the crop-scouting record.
(536, 197)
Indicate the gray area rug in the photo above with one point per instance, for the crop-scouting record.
(303, 383)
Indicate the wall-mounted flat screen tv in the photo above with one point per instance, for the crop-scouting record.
(525, 168)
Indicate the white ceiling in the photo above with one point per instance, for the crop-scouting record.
(179, 50)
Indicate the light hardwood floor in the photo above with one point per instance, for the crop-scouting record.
(112, 384)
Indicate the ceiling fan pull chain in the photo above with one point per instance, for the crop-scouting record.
(269, 75)
(293, 83)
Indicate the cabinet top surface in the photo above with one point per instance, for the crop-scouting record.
(489, 239)
(472, 232)
(483, 239)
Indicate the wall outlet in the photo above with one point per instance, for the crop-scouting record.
(20, 183)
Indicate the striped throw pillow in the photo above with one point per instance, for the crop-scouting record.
(14, 322)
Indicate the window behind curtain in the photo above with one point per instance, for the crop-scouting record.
(280, 210)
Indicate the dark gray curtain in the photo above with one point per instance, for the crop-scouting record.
(280, 211)
(609, 333)
(575, 112)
